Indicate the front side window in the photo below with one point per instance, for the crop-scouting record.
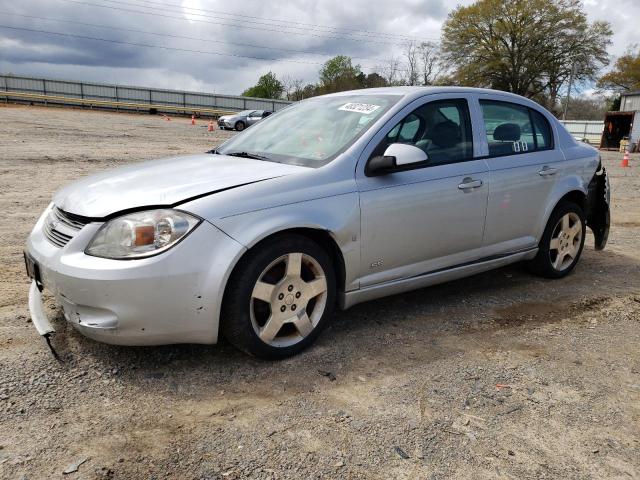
(442, 129)
(312, 132)
(513, 128)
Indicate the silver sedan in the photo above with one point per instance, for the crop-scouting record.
(334, 200)
(241, 120)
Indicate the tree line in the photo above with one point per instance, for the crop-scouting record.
(534, 48)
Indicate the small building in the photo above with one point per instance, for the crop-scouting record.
(624, 124)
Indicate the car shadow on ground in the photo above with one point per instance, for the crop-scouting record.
(401, 330)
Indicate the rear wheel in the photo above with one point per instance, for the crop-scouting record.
(562, 242)
(239, 126)
(279, 297)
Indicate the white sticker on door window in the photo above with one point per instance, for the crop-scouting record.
(365, 108)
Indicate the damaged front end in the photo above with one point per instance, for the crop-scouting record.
(598, 213)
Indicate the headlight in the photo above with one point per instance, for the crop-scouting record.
(141, 234)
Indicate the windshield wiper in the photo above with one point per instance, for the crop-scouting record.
(254, 156)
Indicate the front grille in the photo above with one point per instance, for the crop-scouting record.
(60, 227)
(68, 219)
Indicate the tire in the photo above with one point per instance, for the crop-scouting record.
(270, 313)
(562, 242)
(240, 126)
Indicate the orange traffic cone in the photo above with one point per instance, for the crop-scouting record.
(193, 119)
(210, 129)
(625, 160)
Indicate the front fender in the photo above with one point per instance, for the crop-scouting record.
(339, 215)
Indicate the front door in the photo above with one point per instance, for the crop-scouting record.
(428, 218)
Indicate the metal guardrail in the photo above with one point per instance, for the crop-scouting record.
(53, 99)
(126, 97)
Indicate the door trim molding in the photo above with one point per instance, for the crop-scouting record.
(349, 299)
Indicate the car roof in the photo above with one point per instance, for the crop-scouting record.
(415, 92)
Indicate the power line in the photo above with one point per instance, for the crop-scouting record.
(169, 35)
(79, 2)
(287, 23)
(146, 45)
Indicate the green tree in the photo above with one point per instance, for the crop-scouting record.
(268, 86)
(338, 74)
(625, 74)
(528, 47)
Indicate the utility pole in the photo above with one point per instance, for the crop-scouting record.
(566, 102)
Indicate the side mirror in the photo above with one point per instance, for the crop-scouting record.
(397, 157)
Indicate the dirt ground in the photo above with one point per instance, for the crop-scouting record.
(502, 375)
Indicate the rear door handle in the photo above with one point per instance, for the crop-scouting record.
(547, 171)
(469, 183)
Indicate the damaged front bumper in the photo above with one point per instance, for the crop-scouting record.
(174, 297)
(598, 212)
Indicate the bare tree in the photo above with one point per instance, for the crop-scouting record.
(292, 87)
(298, 85)
(412, 57)
(430, 62)
(390, 70)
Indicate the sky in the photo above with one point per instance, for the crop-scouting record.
(222, 46)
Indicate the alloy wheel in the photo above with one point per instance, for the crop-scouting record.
(566, 240)
(288, 299)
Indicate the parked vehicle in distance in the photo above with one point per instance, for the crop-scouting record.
(241, 120)
(336, 199)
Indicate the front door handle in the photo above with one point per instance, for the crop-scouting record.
(469, 183)
(547, 171)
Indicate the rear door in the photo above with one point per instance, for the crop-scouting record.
(524, 165)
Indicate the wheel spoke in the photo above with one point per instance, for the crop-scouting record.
(576, 229)
(270, 329)
(554, 244)
(565, 223)
(573, 252)
(294, 265)
(263, 291)
(559, 259)
(303, 323)
(315, 287)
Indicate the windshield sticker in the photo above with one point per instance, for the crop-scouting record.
(365, 108)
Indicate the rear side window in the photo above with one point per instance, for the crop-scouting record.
(542, 129)
(513, 128)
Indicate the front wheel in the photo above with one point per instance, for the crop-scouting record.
(279, 297)
(562, 242)
(239, 126)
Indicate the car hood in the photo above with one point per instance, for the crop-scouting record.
(165, 182)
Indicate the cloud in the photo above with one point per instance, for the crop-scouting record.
(212, 57)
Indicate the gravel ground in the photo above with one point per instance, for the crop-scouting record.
(502, 375)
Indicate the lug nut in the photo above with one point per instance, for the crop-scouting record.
(297, 294)
(293, 307)
(281, 296)
(290, 287)
(283, 308)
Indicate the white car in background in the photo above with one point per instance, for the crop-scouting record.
(241, 120)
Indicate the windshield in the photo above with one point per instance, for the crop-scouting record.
(312, 132)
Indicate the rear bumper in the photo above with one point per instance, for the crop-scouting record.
(174, 297)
